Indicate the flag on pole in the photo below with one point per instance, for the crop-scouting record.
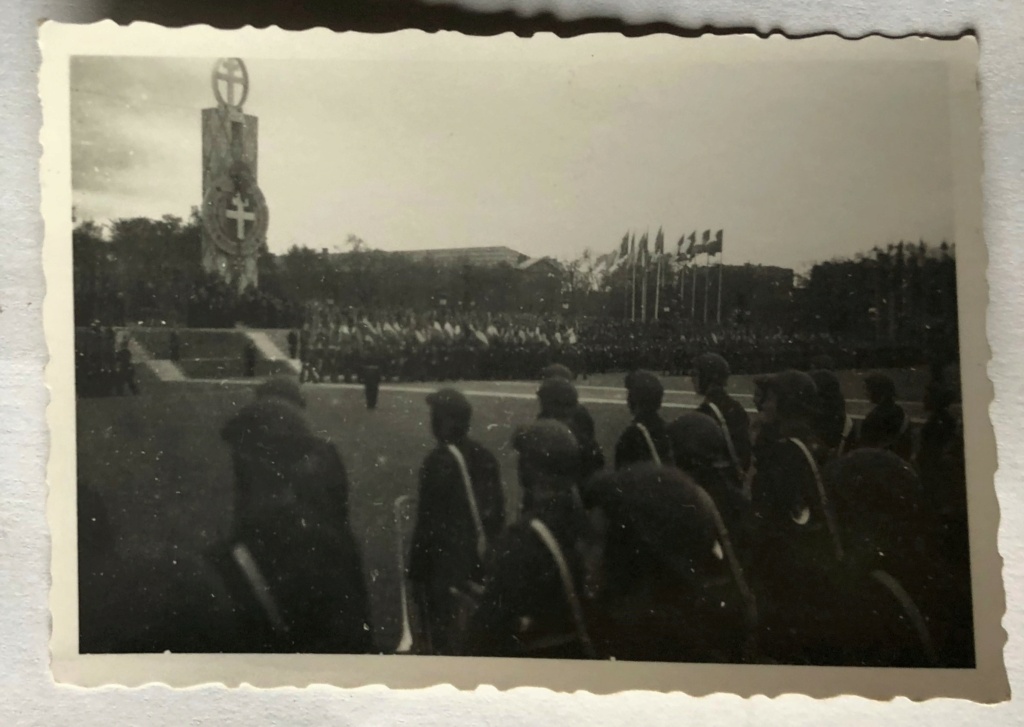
(645, 254)
(685, 254)
(715, 247)
(659, 244)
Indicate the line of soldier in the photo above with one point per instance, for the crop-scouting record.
(789, 539)
(102, 367)
(797, 540)
(597, 346)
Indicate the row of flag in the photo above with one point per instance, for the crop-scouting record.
(633, 253)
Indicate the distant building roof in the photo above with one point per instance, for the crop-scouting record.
(533, 262)
(472, 255)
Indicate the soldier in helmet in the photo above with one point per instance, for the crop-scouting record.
(834, 426)
(559, 401)
(710, 376)
(698, 448)
(461, 511)
(887, 425)
(888, 601)
(582, 421)
(937, 434)
(664, 583)
(282, 387)
(644, 440)
(531, 604)
(294, 573)
(794, 536)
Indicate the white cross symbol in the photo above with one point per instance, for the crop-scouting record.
(232, 75)
(239, 214)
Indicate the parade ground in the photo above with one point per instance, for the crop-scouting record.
(165, 476)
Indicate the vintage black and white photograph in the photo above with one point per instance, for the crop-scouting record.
(531, 348)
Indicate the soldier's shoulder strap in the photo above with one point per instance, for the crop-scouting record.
(910, 610)
(565, 575)
(650, 442)
(474, 509)
(847, 433)
(826, 507)
(724, 426)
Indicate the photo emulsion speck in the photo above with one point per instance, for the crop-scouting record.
(621, 351)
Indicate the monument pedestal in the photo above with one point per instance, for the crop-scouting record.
(234, 212)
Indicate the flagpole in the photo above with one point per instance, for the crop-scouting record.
(693, 294)
(707, 283)
(632, 288)
(682, 287)
(643, 289)
(625, 300)
(721, 265)
(657, 288)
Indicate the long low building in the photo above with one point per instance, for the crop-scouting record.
(468, 255)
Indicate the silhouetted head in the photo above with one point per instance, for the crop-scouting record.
(284, 388)
(697, 442)
(558, 399)
(450, 415)
(880, 387)
(644, 392)
(789, 395)
(556, 371)
(709, 370)
(549, 455)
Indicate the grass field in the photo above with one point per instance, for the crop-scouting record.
(165, 476)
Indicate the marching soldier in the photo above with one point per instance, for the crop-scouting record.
(293, 569)
(710, 375)
(531, 604)
(663, 580)
(645, 439)
(461, 510)
(582, 421)
(698, 449)
(559, 401)
(880, 607)
(834, 425)
(887, 425)
(937, 434)
(794, 533)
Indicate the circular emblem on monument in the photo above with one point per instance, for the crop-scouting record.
(235, 212)
(230, 82)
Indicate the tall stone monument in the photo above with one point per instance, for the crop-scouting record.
(234, 211)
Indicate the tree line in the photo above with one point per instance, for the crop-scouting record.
(141, 269)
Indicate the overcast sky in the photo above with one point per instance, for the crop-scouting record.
(797, 162)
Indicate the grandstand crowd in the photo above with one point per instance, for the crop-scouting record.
(788, 537)
(335, 346)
